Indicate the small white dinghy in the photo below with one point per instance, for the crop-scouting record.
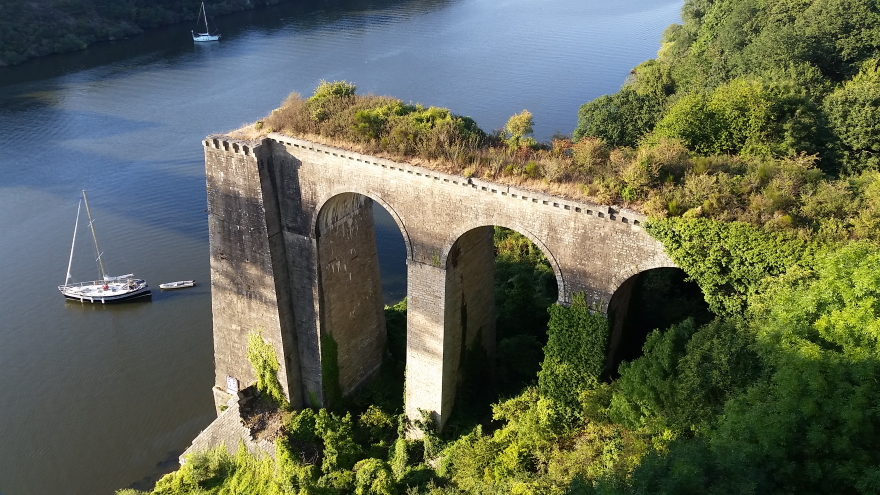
(181, 284)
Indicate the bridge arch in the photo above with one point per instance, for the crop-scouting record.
(627, 272)
(563, 296)
(648, 299)
(336, 193)
(476, 336)
(351, 321)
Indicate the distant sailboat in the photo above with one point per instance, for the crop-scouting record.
(108, 289)
(206, 36)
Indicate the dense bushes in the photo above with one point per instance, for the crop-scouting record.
(262, 357)
(743, 76)
(377, 123)
(757, 135)
(793, 413)
(574, 356)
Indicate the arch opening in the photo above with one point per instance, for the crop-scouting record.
(649, 300)
(362, 256)
(499, 285)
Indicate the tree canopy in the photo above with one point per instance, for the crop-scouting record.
(756, 78)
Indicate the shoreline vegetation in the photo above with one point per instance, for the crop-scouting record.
(30, 29)
(752, 142)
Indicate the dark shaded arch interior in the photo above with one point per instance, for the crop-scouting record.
(653, 299)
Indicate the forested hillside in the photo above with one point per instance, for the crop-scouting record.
(757, 78)
(35, 28)
(751, 142)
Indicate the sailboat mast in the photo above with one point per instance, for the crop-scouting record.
(72, 243)
(95, 237)
(205, 14)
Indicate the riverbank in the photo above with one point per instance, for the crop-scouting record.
(43, 27)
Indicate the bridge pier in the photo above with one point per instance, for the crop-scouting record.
(450, 311)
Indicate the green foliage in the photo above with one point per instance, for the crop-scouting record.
(518, 129)
(379, 124)
(341, 452)
(744, 76)
(336, 89)
(262, 357)
(525, 285)
(381, 426)
(790, 391)
(743, 116)
(574, 356)
(619, 119)
(685, 377)
(301, 426)
(853, 111)
(427, 424)
(216, 472)
(727, 260)
(395, 326)
(399, 457)
(374, 477)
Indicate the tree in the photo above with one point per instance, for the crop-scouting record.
(744, 116)
(620, 119)
(853, 111)
(812, 427)
(518, 128)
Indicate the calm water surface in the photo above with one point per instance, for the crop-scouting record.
(99, 398)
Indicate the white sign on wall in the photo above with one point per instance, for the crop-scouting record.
(231, 385)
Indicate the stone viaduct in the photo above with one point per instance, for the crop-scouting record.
(293, 255)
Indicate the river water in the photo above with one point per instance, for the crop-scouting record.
(100, 398)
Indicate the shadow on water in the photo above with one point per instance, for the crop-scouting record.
(163, 467)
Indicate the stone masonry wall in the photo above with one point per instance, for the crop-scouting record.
(245, 281)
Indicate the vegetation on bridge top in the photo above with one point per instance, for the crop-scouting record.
(662, 174)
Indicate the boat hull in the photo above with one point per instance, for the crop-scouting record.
(205, 37)
(183, 284)
(94, 294)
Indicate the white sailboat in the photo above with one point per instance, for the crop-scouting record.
(108, 289)
(206, 36)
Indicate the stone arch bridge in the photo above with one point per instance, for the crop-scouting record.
(293, 254)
